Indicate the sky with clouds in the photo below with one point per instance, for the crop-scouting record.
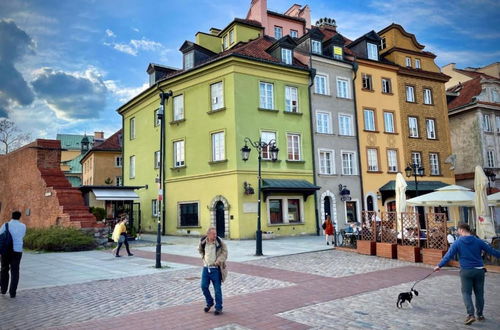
(66, 66)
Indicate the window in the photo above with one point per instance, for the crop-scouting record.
(343, 88)
(179, 107)
(345, 125)
(231, 37)
(118, 161)
(326, 162)
(497, 122)
(294, 33)
(386, 86)
(217, 96)
(338, 52)
(132, 167)
(155, 212)
(278, 32)
(266, 95)
(434, 163)
(495, 96)
(218, 147)
(284, 210)
(372, 157)
(267, 137)
(291, 99)
(321, 84)
(188, 60)
(383, 43)
(487, 123)
(392, 160)
(156, 120)
(119, 181)
(369, 116)
(225, 44)
(413, 126)
(179, 154)
(188, 213)
(431, 128)
(132, 128)
(416, 158)
(293, 210)
(490, 158)
(351, 210)
(286, 55)
(417, 64)
(316, 46)
(410, 94)
(348, 163)
(323, 120)
(293, 146)
(157, 159)
(408, 62)
(275, 211)
(372, 51)
(427, 96)
(389, 122)
(367, 81)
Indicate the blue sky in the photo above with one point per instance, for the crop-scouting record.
(66, 66)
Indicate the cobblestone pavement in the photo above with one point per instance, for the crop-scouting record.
(438, 306)
(332, 263)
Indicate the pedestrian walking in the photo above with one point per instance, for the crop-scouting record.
(329, 230)
(213, 252)
(472, 269)
(120, 236)
(11, 258)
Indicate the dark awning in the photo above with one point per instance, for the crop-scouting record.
(424, 187)
(302, 187)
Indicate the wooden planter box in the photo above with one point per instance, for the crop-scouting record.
(387, 250)
(409, 253)
(366, 247)
(432, 256)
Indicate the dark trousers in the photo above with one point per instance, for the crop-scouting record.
(10, 262)
(473, 279)
(212, 275)
(120, 245)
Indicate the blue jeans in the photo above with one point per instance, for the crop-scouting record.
(473, 279)
(215, 277)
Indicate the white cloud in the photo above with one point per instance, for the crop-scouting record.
(135, 29)
(134, 46)
(124, 94)
(110, 33)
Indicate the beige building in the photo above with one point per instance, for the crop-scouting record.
(463, 75)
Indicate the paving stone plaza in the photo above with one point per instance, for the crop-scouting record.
(319, 289)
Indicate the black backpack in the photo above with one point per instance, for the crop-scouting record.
(6, 242)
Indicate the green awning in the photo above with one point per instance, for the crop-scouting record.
(424, 187)
(303, 187)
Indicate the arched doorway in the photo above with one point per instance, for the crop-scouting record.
(220, 221)
(327, 206)
(369, 203)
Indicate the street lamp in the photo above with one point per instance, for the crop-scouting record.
(245, 154)
(164, 96)
(491, 178)
(414, 170)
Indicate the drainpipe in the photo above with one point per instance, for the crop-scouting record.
(355, 70)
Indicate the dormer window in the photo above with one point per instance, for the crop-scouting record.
(383, 43)
(225, 44)
(338, 52)
(316, 46)
(231, 37)
(188, 60)
(152, 79)
(286, 55)
(372, 51)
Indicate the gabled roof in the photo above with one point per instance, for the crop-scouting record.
(403, 31)
(153, 66)
(468, 90)
(371, 36)
(286, 41)
(248, 22)
(293, 18)
(189, 45)
(113, 143)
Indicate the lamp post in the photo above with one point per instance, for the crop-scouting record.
(245, 154)
(161, 210)
(414, 170)
(491, 178)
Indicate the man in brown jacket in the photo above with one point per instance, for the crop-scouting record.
(213, 252)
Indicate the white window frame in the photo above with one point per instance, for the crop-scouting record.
(294, 33)
(490, 158)
(431, 128)
(132, 128)
(287, 56)
(383, 43)
(427, 96)
(118, 161)
(413, 131)
(322, 126)
(350, 129)
(231, 37)
(316, 47)
(418, 64)
(217, 95)
(178, 107)
(392, 160)
(497, 123)
(291, 96)
(179, 150)
(369, 81)
(156, 158)
(189, 60)
(284, 205)
(325, 90)
(132, 167)
(372, 159)
(392, 129)
(410, 94)
(338, 56)
(408, 61)
(266, 101)
(372, 51)
(386, 87)
(157, 121)
(343, 90)
(416, 158)
(369, 125)
(218, 146)
(353, 159)
(434, 164)
(487, 127)
(266, 137)
(278, 32)
(225, 42)
(154, 208)
(323, 163)
(119, 181)
(495, 95)
(296, 143)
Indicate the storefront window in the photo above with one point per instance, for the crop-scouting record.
(276, 210)
(293, 210)
(351, 211)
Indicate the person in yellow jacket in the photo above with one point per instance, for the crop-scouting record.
(120, 236)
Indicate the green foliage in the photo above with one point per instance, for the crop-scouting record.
(56, 239)
(99, 212)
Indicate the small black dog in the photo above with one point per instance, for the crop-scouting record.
(406, 296)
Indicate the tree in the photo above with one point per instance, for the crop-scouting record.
(11, 136)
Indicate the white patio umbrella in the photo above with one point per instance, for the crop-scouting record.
(400, 198)
(451, 195)
(484, 225)
(494, 199)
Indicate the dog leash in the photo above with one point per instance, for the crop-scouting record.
(421, 280)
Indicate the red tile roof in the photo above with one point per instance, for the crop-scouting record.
(467, 90)
(112, 143)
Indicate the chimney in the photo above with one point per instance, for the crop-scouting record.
(214, 31)
(258, 12)
(327, 23)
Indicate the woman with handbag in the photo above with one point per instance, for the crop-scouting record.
(329, 230)
(120, 236)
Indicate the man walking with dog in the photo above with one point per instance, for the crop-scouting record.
(472, 269)
(213, 252)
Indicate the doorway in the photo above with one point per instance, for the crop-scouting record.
(220, 224)
(369, 203)
(327, 207)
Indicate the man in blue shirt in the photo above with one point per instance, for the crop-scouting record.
(472, 269)
(12, 259)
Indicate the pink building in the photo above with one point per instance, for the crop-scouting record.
(294, 22)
